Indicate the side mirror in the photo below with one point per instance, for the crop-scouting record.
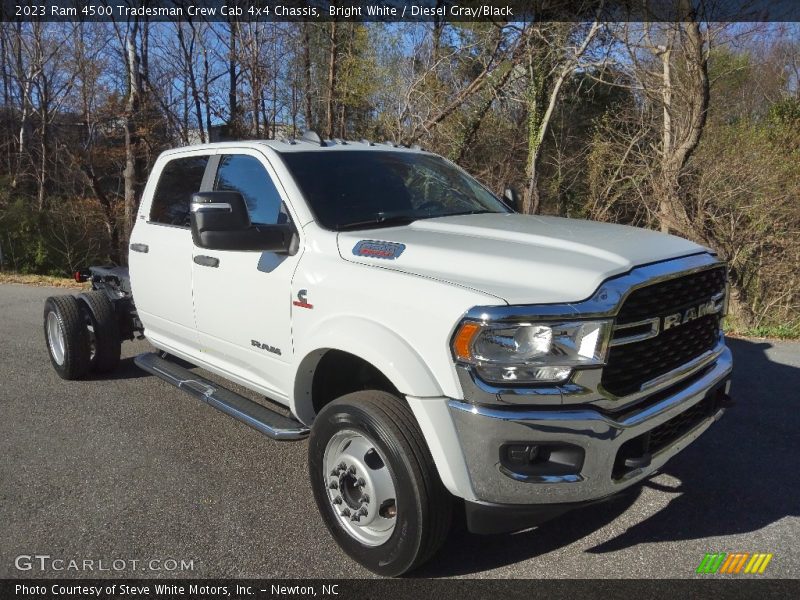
(220, 221)
(511, 199)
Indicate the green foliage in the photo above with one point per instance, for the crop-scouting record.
(786, 112)
(65, 236)
(789, 331)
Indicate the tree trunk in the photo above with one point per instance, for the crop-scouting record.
(109, 214)
(309, 117)
(436, 38)
(44, 143)
(681, 137)
(232, 59)
(130, 174)
(26, 81)
(43, 88)
(669, 185)
(738, 302)
(539, 113)
(188, 58)
(206, 89)
(329, 112)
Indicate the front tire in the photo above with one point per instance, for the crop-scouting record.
(67, 337)
(375, 482)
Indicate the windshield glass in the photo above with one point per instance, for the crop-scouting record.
(359, 190)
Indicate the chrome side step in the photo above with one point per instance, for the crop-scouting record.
(260, 418)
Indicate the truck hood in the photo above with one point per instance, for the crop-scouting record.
(520, 259)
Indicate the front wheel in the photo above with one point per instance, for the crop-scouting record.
(375, 483)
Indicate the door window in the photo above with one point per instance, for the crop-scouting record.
(180, 178)
(246, 175)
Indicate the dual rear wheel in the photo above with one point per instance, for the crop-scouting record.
(82, 334)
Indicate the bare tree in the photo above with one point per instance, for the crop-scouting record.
(187, 45)
(331, 79)
(550, 60)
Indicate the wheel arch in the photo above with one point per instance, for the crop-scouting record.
(367, 341)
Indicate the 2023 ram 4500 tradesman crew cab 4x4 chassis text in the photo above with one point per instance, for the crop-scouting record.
(437, 346)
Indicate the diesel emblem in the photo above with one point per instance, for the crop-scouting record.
(302, 300)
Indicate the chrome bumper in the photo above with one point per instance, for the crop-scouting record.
(483, 430)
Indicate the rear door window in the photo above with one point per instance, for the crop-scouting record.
(246, 175)
(180, 178)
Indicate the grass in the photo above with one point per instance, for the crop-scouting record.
(779, 332)
(42, 280)
(784, 331)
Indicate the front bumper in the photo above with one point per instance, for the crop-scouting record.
(608, 440)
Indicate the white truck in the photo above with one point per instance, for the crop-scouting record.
(442, 352)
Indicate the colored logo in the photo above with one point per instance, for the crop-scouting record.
(741, 562)
(302, 300)
(378, 249)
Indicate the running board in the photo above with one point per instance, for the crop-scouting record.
(257, 416)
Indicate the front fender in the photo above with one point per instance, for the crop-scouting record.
(372, 342)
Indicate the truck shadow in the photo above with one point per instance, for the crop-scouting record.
(737, 478)
(127, 369)
(465, 553)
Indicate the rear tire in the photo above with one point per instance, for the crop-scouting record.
(66, 336)
(103, 320)
(375, 436)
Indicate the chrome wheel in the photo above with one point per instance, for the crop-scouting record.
(360, 487)
(55, 338)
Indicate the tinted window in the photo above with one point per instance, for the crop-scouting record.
(246, 175)
(358, 189)
(180, 179)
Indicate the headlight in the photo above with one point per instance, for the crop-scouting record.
(530, 352)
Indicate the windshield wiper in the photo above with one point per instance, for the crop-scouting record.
(377, 222)
(480, 211)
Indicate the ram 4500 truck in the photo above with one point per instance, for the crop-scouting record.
(438, 348)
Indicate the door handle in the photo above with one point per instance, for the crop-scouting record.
(206, 261)
(140, 248)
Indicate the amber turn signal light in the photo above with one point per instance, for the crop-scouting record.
(463, 340)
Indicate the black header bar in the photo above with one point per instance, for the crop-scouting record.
(388, 589)
(402, 10)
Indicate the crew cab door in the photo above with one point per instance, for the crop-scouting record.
(242, 300)
(160, 254)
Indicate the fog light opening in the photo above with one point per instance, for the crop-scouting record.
(551, 459)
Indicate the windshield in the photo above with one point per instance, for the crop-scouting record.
(359, 190)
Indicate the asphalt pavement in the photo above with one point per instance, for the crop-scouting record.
(128, 468)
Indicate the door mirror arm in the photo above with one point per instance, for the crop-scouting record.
(511, 199)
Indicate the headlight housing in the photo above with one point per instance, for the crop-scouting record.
(519, 353)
